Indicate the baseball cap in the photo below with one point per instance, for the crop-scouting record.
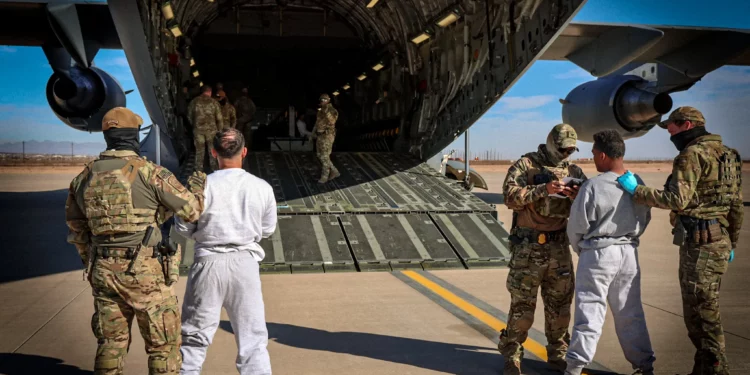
(122, 118)
(564, 136)
(683, 114)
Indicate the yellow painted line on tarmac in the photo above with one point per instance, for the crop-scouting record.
(534, 347)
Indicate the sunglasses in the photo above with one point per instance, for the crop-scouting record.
(566, 150)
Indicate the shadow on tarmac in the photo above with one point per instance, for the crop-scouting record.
(23, 364)
(34, 236)
(435, 356)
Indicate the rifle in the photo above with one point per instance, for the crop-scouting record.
(144, 242)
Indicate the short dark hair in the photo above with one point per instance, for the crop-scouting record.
(206, 88)
(610, 142)
(228, 143)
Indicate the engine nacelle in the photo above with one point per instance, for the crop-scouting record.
(618, 102)
(81, 100)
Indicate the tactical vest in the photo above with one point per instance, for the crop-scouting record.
(549, 206)
(108, 201)
(322, 118)
(717, 189)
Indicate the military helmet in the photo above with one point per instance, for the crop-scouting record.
(325, 97)
(684, 114)
(121, 118)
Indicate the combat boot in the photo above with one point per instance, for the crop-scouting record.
(642, 372)
(333, 175)
(557, 364)
(322, 180)
(512, 367)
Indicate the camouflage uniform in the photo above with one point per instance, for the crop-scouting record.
(227, 110)
(109, 207)
(325, 131)
(706, 184)
(230, 116)
(245, 113)
(204, 113)
(539, 245)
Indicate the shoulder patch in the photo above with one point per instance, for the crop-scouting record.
(167, 176)
(164, 174)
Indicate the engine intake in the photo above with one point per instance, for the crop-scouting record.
(82, 97)
(619, 102)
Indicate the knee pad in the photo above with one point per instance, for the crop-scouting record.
(104, 364)
(169, 365)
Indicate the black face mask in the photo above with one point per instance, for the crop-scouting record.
(122, 140)
(681, 140)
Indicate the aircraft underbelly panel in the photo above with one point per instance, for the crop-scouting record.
(386, 211)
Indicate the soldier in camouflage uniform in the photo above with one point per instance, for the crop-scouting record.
(110, 206)
(539, 244)
(704, 193)
(205, 114)
(227, 110)
(325, 131)
(245, 113)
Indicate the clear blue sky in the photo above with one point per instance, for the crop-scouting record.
(515, 125)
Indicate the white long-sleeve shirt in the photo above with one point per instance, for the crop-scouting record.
(603, 214)
(302, 127)
(240, 210)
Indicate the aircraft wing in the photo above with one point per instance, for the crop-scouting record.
(26, 24)
(603, 48)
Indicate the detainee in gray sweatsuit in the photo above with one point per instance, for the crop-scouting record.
(240, 210)
(604, 229)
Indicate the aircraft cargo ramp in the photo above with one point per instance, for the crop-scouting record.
(386, 211)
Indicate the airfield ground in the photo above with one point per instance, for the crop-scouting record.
(344, 323)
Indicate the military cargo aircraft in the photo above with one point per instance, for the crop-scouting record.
(407, 76)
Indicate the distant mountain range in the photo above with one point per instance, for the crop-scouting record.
(53, 147)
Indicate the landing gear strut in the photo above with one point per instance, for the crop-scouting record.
(468, 185)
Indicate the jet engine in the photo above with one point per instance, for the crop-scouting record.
(619, 102)
(81, 97)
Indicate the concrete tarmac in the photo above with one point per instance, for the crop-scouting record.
(368, 323)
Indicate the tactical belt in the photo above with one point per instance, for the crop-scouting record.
(116, 252)
(537, 237)
(699, 231)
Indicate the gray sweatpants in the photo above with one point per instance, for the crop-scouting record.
(231, 280)
(611, 274)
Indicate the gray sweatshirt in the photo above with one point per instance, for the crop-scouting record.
(604, 214)
(240, 210)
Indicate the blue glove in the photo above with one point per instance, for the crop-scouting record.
(628, 182)
(731, 256)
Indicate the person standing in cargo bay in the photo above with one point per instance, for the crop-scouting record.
(205, 114)
(541, 256)
(245, 114)
(704, 193)
(325, 131)
(113, 212)
(227, 110)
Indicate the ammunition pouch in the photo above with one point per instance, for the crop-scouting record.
(115, 252)
(690, 230)
(533, 236)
